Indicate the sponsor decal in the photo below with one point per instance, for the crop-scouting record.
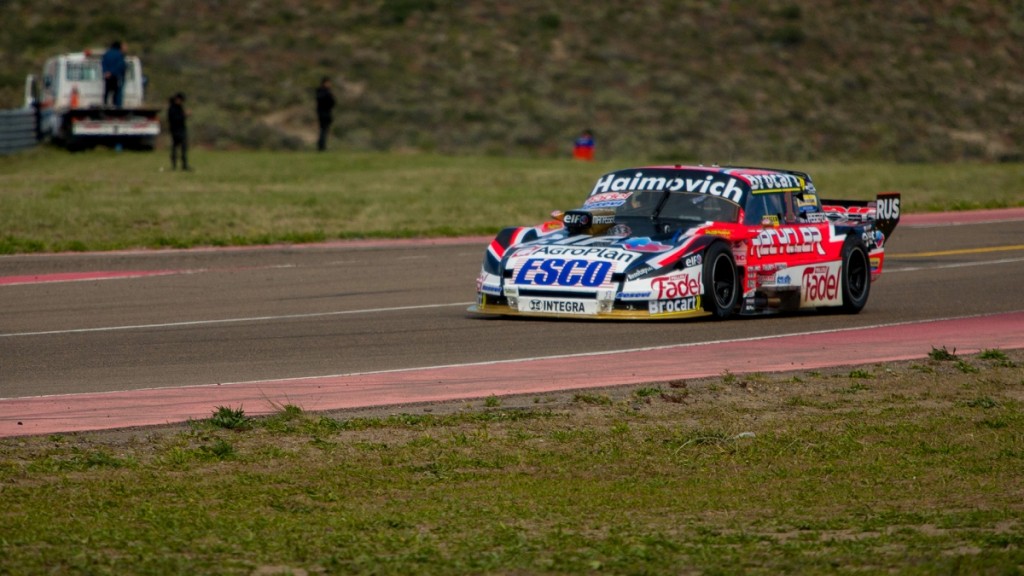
(639, 272)
(609, 200)
(877, 239)
(558, 306)
(560, 272)
(678, 286)
(768, 268)
(672, 306)
(580, 219)
(724, 233)
(739, 252)
(613, 254)
(888, 208)
(820, 284)
(718, 184)
(775, 182)
(635, 295)
(645, 245)
(783, 279)
(861, 213)
(808, 201)
(788, 240)
(694, 260)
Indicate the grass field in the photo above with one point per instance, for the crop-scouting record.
(102, 200)
(713, 81)
(910, 468)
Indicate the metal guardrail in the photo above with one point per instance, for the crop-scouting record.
(17, 130)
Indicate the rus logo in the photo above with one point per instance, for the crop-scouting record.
(888, 208)
(559, 272)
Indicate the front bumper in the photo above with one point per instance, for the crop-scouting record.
(587, 308)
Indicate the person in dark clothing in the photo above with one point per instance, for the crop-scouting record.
(176, 115)
(324, 111)
(114, 68)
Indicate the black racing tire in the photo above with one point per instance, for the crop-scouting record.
(721, 282)
(856, 275)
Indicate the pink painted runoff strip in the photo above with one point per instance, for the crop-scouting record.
(809, 351)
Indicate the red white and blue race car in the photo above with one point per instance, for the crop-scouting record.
(666, 242)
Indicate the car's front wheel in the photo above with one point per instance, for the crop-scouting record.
(721, 281)
(856, 276)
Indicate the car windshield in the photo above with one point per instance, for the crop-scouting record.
(689, 206)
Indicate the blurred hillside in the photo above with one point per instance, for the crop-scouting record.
(710, 81)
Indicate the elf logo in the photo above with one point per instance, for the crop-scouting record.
(559, 272)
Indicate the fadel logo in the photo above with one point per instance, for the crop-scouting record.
(819, 285)
(559, 272)
(888, 208)
(676, 286)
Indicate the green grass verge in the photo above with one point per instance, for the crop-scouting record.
(911, 467)
(102, 200)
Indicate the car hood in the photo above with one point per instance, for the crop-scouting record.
(586, 262)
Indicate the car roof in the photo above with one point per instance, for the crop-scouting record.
(759, 180)
(738, 171)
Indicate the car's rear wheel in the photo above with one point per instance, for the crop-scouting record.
(721, 281)
(856, 275)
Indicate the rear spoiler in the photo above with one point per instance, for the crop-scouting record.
(884, 211)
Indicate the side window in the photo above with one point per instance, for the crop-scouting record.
(807, 207)
(49, 76)
(760, 206)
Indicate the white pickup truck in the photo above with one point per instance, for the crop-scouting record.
(71, 108)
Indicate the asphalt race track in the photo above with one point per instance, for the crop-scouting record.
(100, 323)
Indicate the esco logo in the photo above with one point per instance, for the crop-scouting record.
(559, 272)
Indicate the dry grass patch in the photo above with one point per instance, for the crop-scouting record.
(913, 468)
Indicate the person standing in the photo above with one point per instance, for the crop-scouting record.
(324, 111)
(114, 68)
(176, 116)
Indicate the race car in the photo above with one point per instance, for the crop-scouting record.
(665, 242)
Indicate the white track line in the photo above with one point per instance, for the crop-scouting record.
(540, 358)
(380, 310)
(234, 320)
